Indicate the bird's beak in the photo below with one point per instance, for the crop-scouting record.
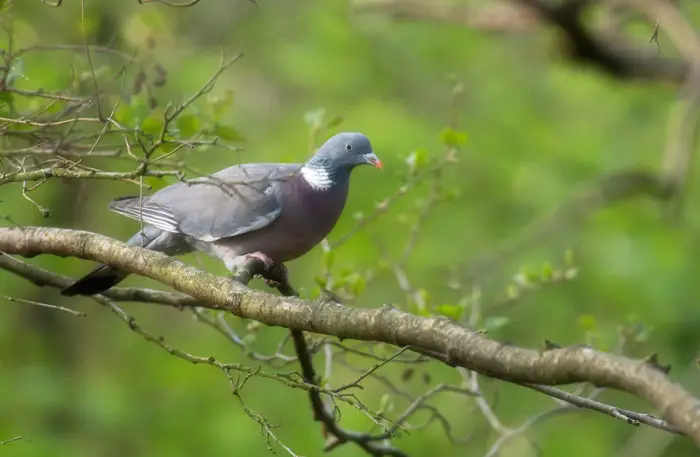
(373, 160)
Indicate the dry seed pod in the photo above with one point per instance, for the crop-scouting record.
(162, 76)
(139, 80)
(150, 42)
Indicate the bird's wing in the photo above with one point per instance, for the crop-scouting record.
(234, 201)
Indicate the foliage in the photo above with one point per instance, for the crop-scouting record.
(480, 136)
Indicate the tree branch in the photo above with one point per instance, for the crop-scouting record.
(41, 277)
(63, 172)
(277, 277)
(611, 53)
(460, 346)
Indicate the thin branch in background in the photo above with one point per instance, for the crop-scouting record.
(420, 402)
(88, 54)
(609, 52)
(356, 383)
(71, 133)
(44, 305)
(584, 45)
(12, 440)
(554, 366)
(171, 3)
(278, 276)
(502, 17)
(219, 323)
(567, 218)
(270, 436)
(630, 417)
(416, 404)
(682, 128)
(371, 355)
(43, 277)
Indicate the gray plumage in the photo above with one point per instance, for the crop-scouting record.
(274, 211)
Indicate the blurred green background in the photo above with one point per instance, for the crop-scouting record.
(538, 129)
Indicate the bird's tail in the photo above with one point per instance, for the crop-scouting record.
(97, 281)
(103, 277)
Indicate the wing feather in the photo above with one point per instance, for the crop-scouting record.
(232, 202)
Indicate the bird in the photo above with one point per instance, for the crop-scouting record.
(274, 212)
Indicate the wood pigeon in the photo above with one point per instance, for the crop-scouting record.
(275, 212)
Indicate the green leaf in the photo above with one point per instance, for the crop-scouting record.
(155, 183)
(417, 159)
(334, 122)
(512, 291)
(16, 71)
(452, 311)
(124, 115)
(547, 272)
(385, 403)
(451, 195)
(188, 124)
(495, 322)
(356, 284)
(314, 118)
(227, 133)
(569, 258)
(152, 125)
(407, 374)
(219, 105)
(328, 258)
(422, 311)
(587, 322)
(452, 138)
(7, 101)
(571, 273)
(425, 296)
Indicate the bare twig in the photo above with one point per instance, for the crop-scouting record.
(12, 440)
(44, 305)
(369, 443)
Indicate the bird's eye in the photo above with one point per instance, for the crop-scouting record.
(348, 147)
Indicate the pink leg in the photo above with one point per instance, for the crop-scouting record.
(267, 261)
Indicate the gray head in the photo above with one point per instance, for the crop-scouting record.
(345, 151)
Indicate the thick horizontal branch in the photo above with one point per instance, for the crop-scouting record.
(459, 345)
(42, 277)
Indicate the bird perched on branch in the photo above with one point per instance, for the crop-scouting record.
(273, 212)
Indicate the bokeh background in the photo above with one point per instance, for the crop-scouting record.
(538, 128)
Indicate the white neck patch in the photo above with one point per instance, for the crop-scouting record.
(317, 177)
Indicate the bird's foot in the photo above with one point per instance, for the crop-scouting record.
(276, 275)
(246, 267)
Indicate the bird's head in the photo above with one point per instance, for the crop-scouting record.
(345, 151)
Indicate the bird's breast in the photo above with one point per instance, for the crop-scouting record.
(314, 212)
(307, 217)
